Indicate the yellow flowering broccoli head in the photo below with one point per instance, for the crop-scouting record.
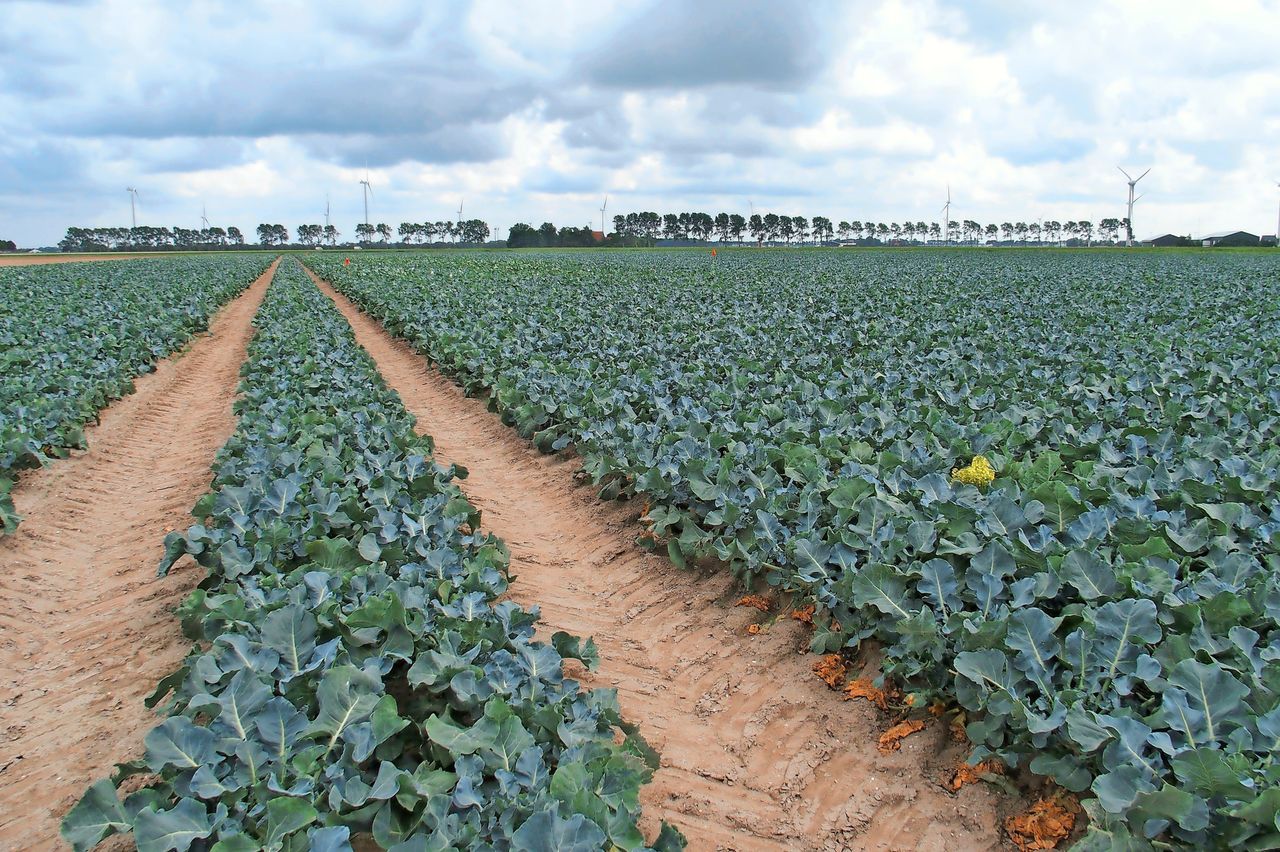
(979, 472)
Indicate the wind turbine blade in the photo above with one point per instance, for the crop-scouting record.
(1123, 172)
(1141, 176)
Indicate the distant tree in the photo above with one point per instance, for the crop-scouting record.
(844, 229)
(521, 235)
(265, 234)
(620, 226)
(1034, 230)
(1021, 230)
(1127, 227)
(934, 231)
(1108, 229)
(993, 232)
(786, 228)
(757, 227)
(895, 231)
(882, 232)
(722, 227)
(801, 226)
(384, 231)
(8, 245)
(922, 229)
(548, 235)
(671, 226)
(822, 228)
(474, 232)
(364, 232)
(737, 225)
(1084, 228)
(772, 226)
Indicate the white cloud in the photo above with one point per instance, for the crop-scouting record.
(852, 110)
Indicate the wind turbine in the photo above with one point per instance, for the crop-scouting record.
(1278, 220)
(204, 218)
(367, 189)
(1132, 183)
(946, 218)
(133, 212)
(602, 209)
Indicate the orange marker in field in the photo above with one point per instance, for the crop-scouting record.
(346, 261)
(713, 252)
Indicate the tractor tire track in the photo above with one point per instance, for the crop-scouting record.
(756, 753)
(86, 627)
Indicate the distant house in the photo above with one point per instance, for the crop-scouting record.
(598, 236)
(1166, 241)
(1230, 239)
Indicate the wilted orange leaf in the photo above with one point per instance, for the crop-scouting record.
(863, 688)
(760, 602)
(957, 730)
(804, 613)
(967, 774)
(891, 740)
(1045, 824)
(831, 669)
(753, 629)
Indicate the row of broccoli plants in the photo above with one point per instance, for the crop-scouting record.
(1100, 592)
(354, 675)
(73, 336)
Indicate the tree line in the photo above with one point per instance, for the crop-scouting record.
(149, 237)
(772, 227)
(628, 229)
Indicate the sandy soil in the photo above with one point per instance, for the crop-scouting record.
(86, 627)
(32, 259)
(756, 752)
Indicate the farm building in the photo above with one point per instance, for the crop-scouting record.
(1230, 238)
(1167, 240)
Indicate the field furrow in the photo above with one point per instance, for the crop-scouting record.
(86, 630)
(756, 753)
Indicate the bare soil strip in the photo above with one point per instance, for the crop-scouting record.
(86, 627)
(34, 259)
(756, 752)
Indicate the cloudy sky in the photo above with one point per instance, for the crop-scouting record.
(533, 111)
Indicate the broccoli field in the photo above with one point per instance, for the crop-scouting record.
(1044, 484)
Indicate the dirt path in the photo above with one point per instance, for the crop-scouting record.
(756, 752)
(34, 259)
(86, 628)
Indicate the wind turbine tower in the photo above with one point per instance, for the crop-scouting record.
(367, 189)
(204, 217)
(1132, 183)
(133, 210)
(946, 219)
(602, 209)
